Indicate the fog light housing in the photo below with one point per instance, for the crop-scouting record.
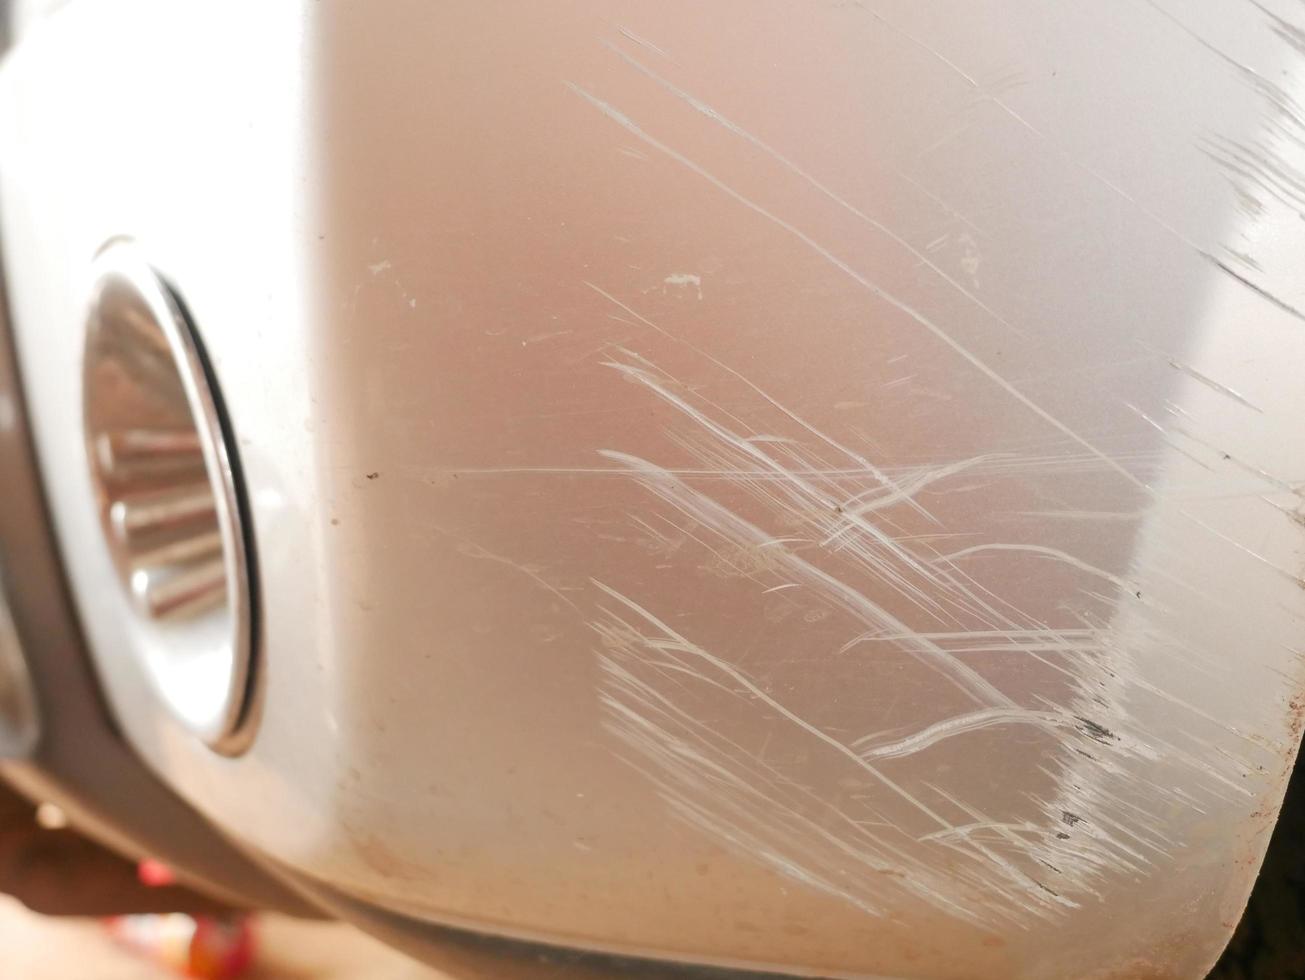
(166, 477)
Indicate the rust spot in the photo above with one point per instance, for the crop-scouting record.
(1295, 717)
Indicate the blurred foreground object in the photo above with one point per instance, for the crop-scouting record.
(55, 871)
(206, 948)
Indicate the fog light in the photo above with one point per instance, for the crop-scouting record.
(165, 473)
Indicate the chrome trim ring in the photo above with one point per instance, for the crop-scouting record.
(164, 476)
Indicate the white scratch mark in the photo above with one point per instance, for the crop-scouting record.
(970, 263)
(629, 35)
(1046, 552)
(867, 466)
(473, 550)
(685, 279)
(1213, 385)
(877, 747)
(890, 830)
(749, 811)
(977, 363)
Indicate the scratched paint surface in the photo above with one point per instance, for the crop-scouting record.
(808, 486)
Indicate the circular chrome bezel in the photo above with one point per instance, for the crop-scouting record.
(165, 478)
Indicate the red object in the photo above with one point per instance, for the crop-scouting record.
(155, 874)
(203, 948)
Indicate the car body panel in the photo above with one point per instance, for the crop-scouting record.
(804, 487)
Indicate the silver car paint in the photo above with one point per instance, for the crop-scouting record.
(808, 486)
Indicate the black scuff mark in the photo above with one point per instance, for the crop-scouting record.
(1095, 730)
(1253, 287)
